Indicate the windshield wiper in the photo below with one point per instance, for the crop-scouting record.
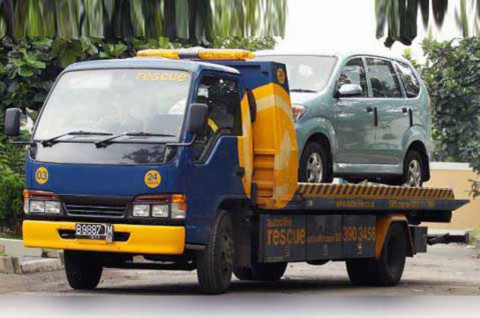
(51, 141)
(303, 90)
(108, 141)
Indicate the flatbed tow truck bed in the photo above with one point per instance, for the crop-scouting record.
(346, 221)
(427, 204)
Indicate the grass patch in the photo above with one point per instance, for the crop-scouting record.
(3, 254)
(474, 235)
(47, 250)
(10, 236)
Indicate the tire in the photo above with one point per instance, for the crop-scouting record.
(359, 271)
(83, 269)
(243, 273)
(386, 271)
(215, 263)
(269, 272)
(315, 164)
(413, 162)
(266, 272)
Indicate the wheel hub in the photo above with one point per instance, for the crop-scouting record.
(314, 168)
(414, 175)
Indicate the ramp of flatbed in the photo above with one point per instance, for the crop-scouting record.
(312, 190)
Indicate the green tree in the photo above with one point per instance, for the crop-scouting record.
(452, 74)
(400, 17)
(196, 22)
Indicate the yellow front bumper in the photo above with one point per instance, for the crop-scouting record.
(143, 239)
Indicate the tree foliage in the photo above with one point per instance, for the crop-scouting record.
(195, 22)
(452, 74)
(400, 17)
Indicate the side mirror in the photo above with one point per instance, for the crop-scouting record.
(252, 103)
(12, 122)
(350, 90)
(197, 119)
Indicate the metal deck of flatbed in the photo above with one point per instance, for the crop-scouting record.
(425, 204)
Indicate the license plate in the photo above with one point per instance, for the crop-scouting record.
(94, 231)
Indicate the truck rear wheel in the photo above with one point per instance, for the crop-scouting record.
(388, 269)
(83, 269)
(359, 271)
(215, 263)
(267, 272)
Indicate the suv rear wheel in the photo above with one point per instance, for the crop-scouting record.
(314, 164)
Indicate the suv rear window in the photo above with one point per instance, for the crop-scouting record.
(383, 79)
(409, 80)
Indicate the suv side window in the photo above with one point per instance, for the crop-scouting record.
(383, 78)
(224, 114)
(409, 80)
(354, 73)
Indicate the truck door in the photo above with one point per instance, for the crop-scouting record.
(218, 167)
(354, 118)
(392, 109)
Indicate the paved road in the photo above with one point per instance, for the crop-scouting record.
(445, 270)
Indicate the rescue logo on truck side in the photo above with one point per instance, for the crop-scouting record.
(41, 175)
(152, 179)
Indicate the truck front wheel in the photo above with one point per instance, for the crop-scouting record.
(83, 269)
(388, 269)
(215, 263)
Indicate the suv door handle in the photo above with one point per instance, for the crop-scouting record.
(369, 109)
(404, 110)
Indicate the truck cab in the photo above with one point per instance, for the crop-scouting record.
(139, 155)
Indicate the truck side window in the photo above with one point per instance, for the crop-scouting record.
(383, 79)
(224, 114)
(354, 73)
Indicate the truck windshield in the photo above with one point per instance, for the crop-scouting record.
(115, 101)
(306, 73)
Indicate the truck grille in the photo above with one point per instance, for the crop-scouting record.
(95, 206)
(96, 210)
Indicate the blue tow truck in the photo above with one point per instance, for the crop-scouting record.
(189, 159)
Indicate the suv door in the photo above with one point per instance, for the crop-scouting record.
(392, 110)
(354, 118)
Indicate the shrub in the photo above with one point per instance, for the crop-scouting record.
(452, 74)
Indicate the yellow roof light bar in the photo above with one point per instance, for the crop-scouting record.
(166, 53)
(198, 53)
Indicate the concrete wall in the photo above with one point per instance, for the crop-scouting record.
(456, 176)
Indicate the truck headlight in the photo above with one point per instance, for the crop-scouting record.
(160, 210)
(173, 206)
(141, 210)
(178, 206)
(41, 202)
(52, 207)
(36, 206)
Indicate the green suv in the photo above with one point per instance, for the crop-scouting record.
(359, 116)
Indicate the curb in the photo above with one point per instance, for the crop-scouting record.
(41, 265)
(12, 265)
